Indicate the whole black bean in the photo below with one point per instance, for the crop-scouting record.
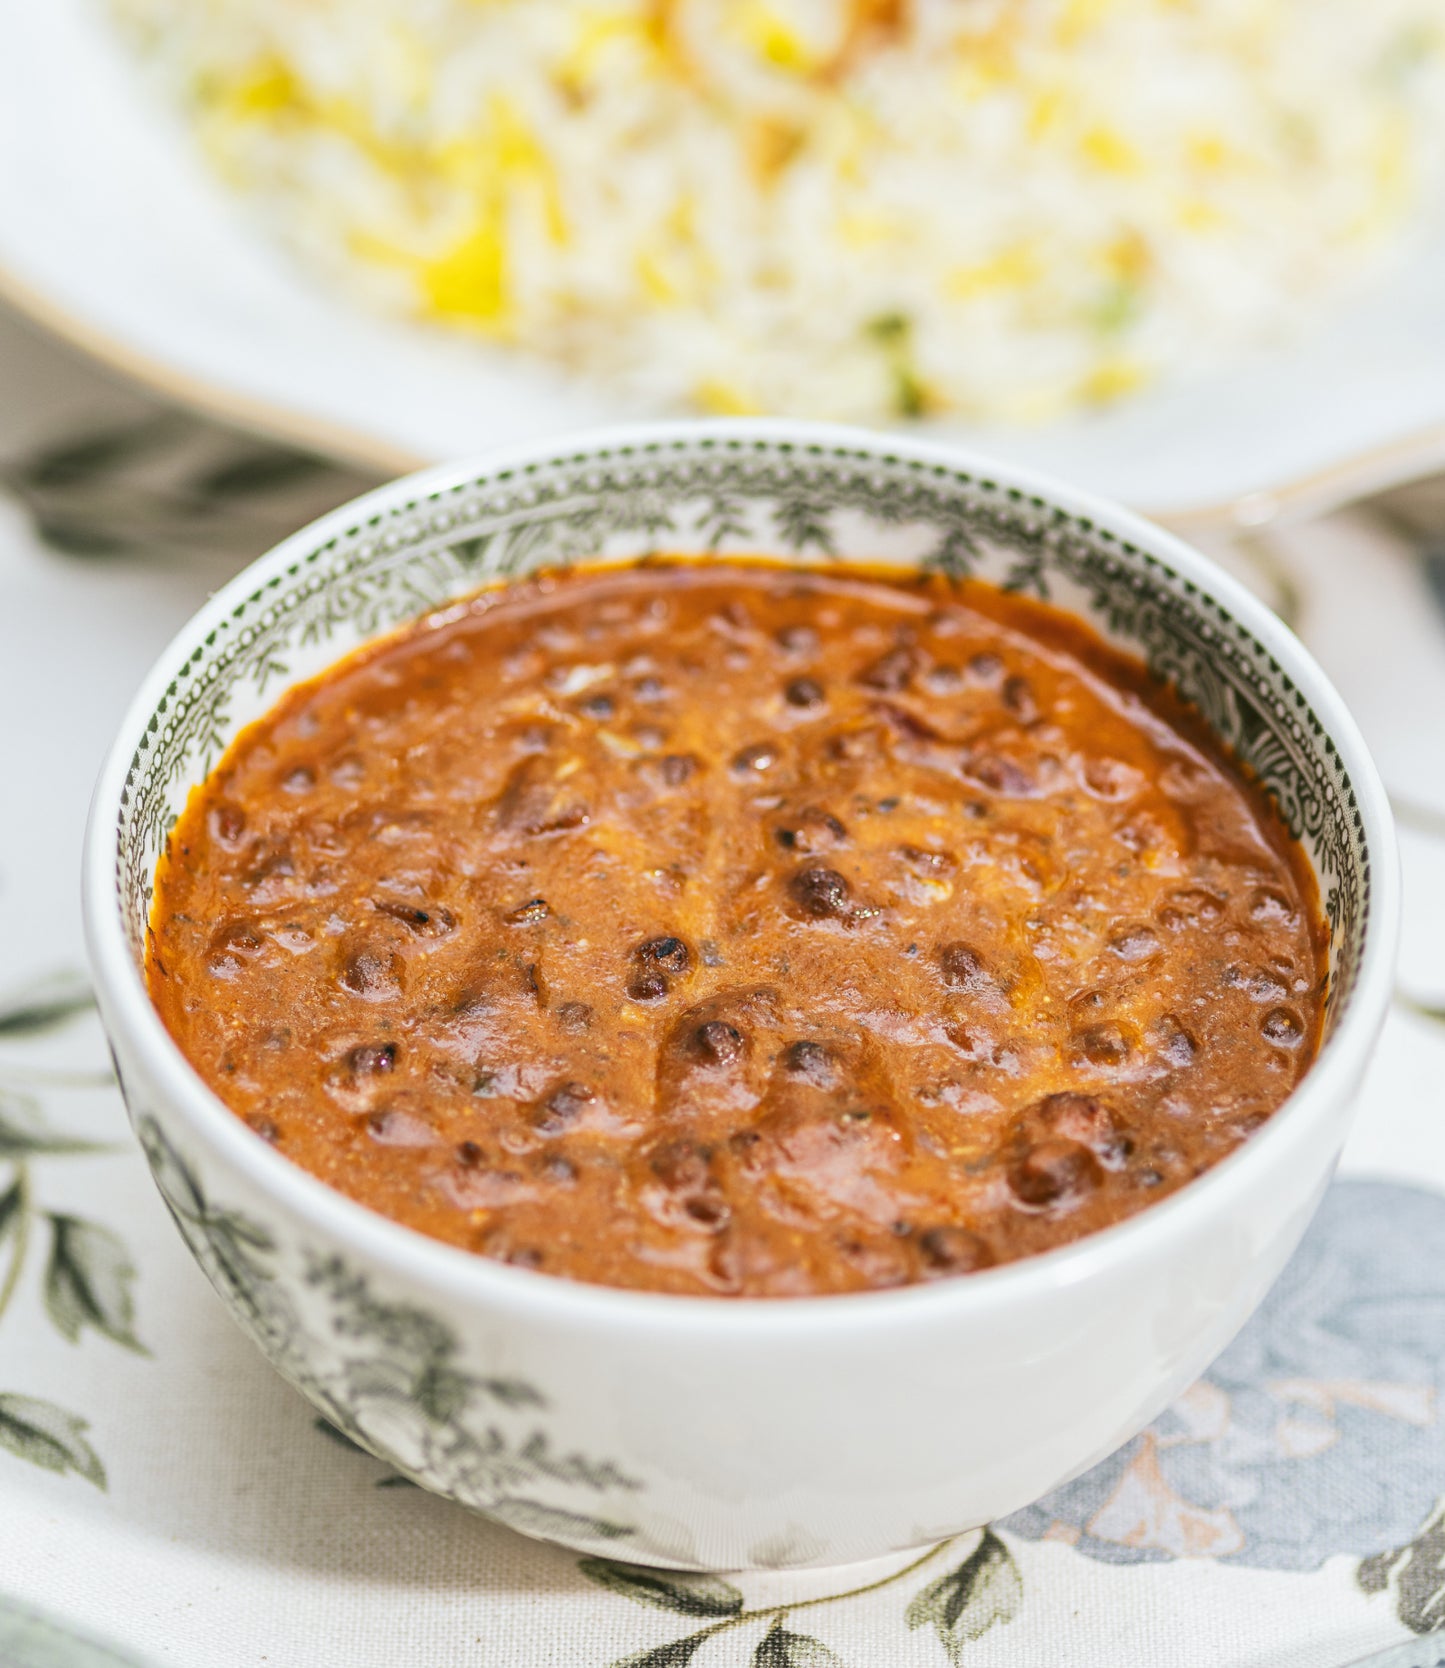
(708, 1211)
(754, 760)
(962, 967)
(647, 987)
(820, 892)
(670, 955)
(682, 1166)
(563, 1107)
(890, 672)
(1018, 697)
(227, 824)
(231, 948)
(1002, 775)
(239, 938)
(372, 1059)
(1115, 1152)
(1282, 1027)
(537, 802)
(953, 1250)
(812, 832)
(719, 1043)
(395, 1128)
(1177, 1043)
(372, 974)
(1076, 1117)
(430, 923)
(811, 1060)
(1104, 1045)
(1053, 1172)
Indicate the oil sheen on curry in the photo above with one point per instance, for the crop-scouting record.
(721, 928)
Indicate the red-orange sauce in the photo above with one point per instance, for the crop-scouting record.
(719, 928)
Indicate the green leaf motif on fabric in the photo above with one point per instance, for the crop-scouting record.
(682, 1592)
(48, 1436)
(23, 1135)
(339, 1437)
(954, 1605)
(48, 1003)
(1418, 1572)
(782, 1649)
(88, 1282)
(677, 1654)
(12, 1210)
(263, 469)
(964, 1604)
(88, 1275)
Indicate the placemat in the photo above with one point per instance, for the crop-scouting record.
(162, 1489)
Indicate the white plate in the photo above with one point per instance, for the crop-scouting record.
(111, 230)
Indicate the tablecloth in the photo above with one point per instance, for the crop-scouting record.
(163, 1490)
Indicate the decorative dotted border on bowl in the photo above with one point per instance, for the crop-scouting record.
(426, 551)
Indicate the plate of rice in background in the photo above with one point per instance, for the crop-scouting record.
(1189, 253)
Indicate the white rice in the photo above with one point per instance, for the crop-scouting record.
(992, 208)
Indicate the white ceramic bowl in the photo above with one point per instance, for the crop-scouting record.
(736, 1433)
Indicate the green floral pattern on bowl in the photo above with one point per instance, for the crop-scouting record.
(486, 1389)
(740, 496)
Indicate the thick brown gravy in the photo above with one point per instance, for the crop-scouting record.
(718, 928)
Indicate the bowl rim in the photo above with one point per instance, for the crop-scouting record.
(464, 1275)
